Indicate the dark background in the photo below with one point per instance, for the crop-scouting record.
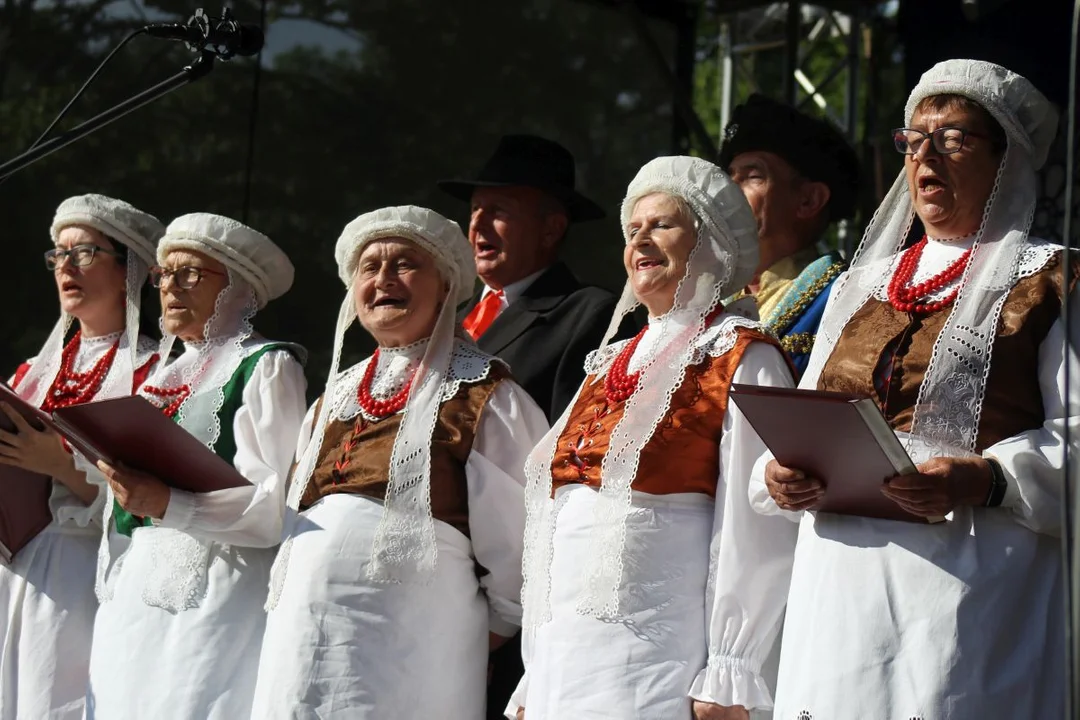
(355, 105)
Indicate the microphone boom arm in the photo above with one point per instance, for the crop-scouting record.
(200, 67)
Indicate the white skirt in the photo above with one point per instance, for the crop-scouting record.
(47, 604)
(890, 620)
(195, 664)
(641, 666)
(341, 647)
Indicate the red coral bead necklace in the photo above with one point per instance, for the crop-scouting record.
(906, 297)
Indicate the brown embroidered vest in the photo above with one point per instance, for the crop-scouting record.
(1013, 401)
(683, 456)
(359, 462)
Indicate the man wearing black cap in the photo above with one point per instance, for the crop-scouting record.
(532, 312)
(799, 175)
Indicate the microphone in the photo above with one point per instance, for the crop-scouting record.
(224, 36)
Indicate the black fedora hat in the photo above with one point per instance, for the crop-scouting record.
(530, 161)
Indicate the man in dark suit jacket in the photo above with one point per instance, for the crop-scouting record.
(532, 312)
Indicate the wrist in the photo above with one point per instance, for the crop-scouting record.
(66, 473)
(161, 506)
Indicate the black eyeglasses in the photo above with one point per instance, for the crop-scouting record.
(945, 140)
(81, 255)
(185, 277)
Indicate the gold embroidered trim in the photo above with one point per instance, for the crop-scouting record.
(808, 297)
(798, 343)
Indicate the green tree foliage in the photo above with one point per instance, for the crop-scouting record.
(823, 50)
(421, 91)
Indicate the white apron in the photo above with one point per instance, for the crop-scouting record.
(341, 647)
(47, 605)
(203, 668)
(640, 667)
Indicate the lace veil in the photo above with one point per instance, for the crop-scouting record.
(258, 271)
(946, 416)
(138, 233)
(722, 260)
(404, 548)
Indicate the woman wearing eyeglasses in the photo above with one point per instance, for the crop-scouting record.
(102, 249)
(960, 340)
(182, 576)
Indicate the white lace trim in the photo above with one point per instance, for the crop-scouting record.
(1035, 256)
(468, 364)
(404, 549)
(613, 504)
(180, 562)
(715, 341)
(947, 412)
(100, 341)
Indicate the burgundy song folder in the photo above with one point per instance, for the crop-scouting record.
(843, 440)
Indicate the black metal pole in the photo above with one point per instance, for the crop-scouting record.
(1071, 499)
(791, 56)
(197, 69)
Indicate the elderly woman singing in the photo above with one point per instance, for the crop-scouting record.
(959, 338)
(102, 251)
(653, 590)
(181, 576)
(403, 564)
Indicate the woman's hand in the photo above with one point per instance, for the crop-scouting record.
(138, 493)
(521, 713)
(941, 485)
(791, 489)
(709, 711)
(40, 451)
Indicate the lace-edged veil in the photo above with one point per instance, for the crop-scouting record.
(138, 233)
(946, 416)
(722, 260)
(405, 549)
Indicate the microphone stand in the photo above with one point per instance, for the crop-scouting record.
(200, 67)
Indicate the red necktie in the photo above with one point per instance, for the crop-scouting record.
(479, 320)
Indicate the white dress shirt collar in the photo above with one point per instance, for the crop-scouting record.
(514, 290)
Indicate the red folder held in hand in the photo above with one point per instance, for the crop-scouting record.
(132, 431)
(128, 430)
(842, 440)
(24, 495)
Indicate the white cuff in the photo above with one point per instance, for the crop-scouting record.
(180, 511)
(69, 510)
(729, 681)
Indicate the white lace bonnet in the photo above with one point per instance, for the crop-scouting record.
(247, 252)
(138, 232)
(946, 416)
(259, 271)
(723, 260)
(404, 547)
